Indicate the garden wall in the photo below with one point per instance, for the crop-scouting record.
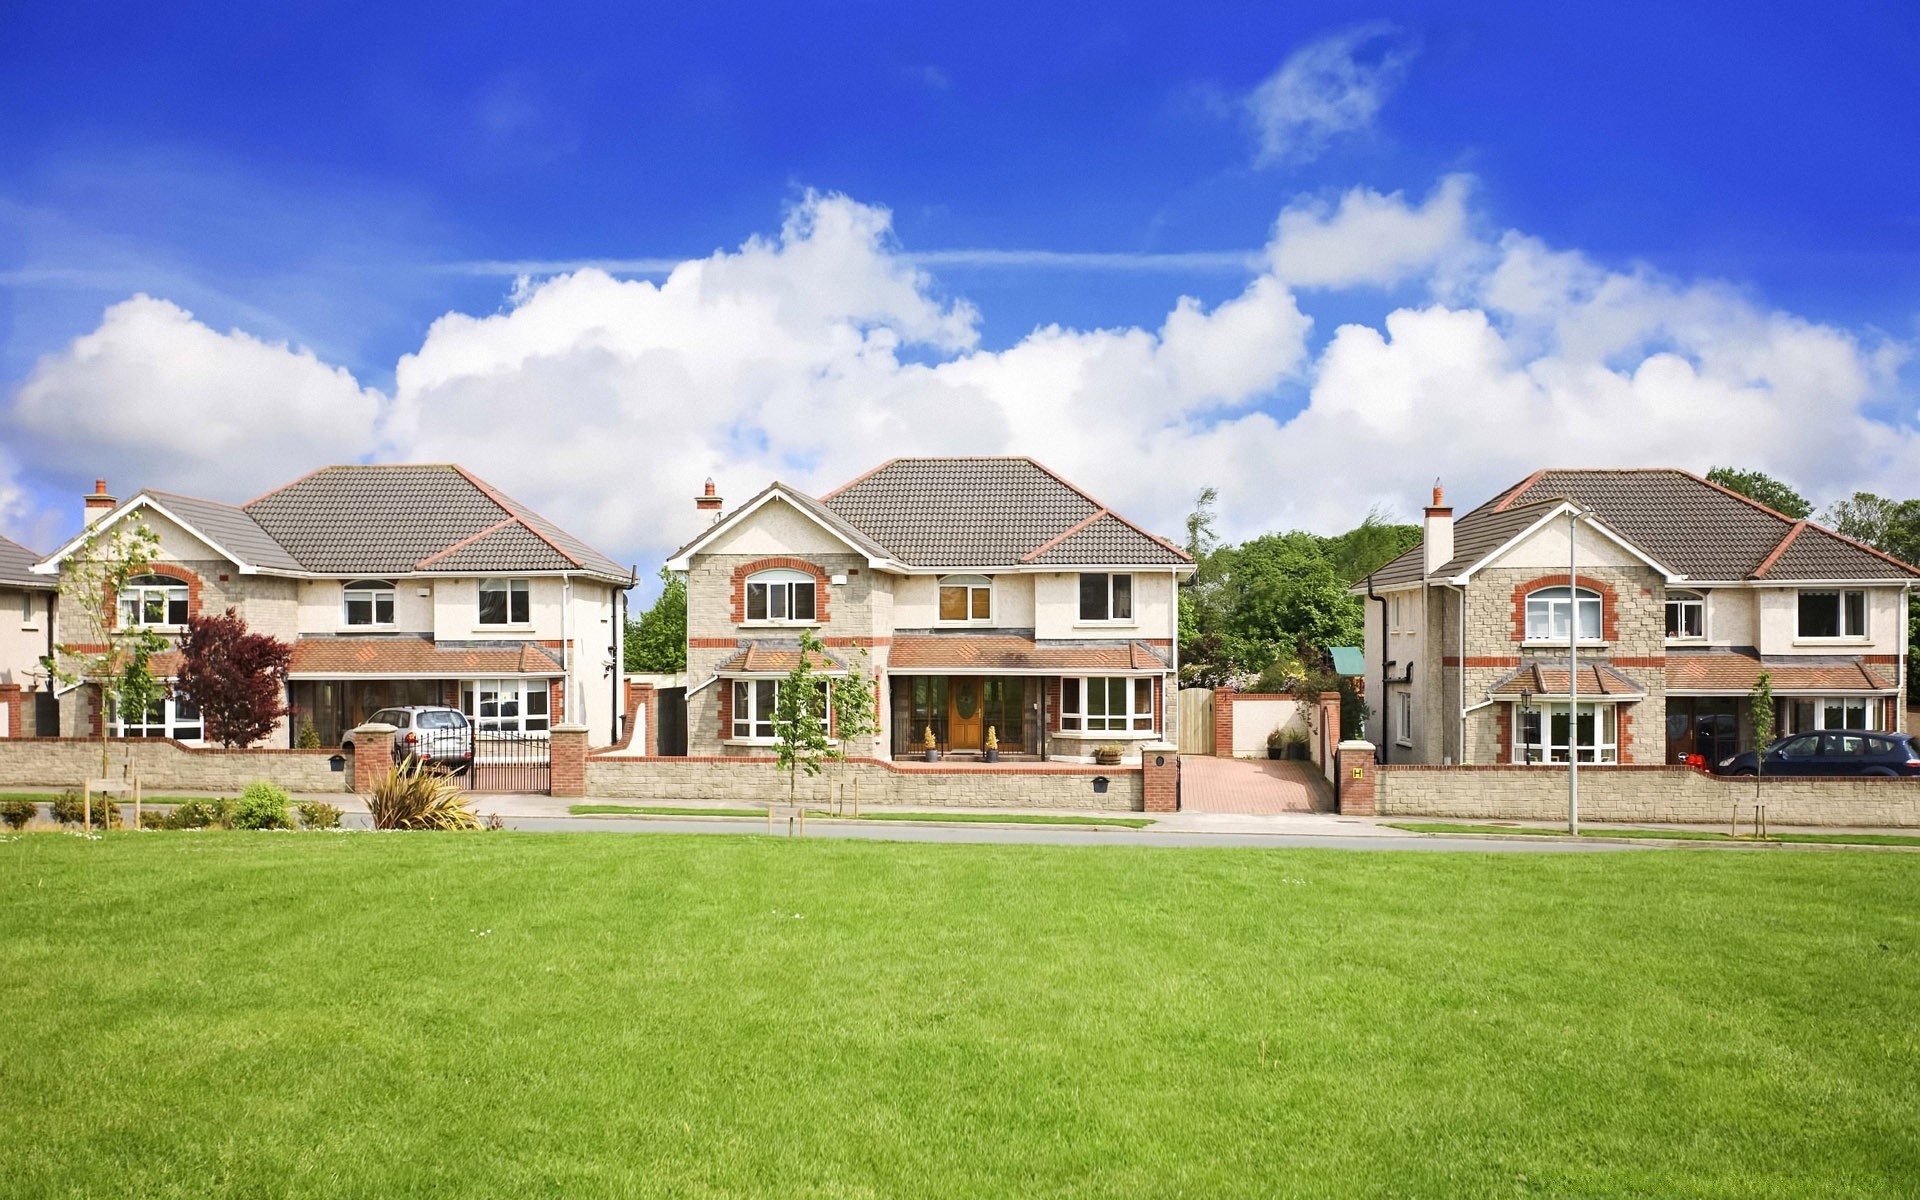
(163, 765)
(911, 785)
(1638, 794)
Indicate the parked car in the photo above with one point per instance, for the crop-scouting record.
(438, 737)
(1834, 752)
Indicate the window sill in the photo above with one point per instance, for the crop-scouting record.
(779, 625)
(1106, 624)
(754, 743)
(1403, 744)
(1833, 641)
(1101, 735)
(527, 628)
(1687, 641)
(985, 624)
(1560, 644)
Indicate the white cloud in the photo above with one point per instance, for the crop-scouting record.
(155, 397)
(1327, 88)
(812, 355)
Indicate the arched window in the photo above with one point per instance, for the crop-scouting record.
(153, 600)
(1686, 615)
(781, 596)
(370, 602)
(1548, 609)
(966, 598)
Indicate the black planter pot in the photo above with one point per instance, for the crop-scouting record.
(992, 755)
(933, 756)
(1297, 752)
(1275, 752)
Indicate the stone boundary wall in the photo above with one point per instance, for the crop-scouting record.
(1652, 794)
(906, 785)
(165, 765)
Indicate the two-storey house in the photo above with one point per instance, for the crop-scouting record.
(1676, 595)
(985, 595)
(27, 603)
(404, 584)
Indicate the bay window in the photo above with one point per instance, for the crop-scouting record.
(506, 705)
(153, 600)
(1106, 705)
(505, 602)
(370, 602)
(754, 703)
(779, 597)
(1686, 615)
(1799, 714)
(966, 598)
(1541, 733)
(170, 717)
(1105, 597)
(1833, 614)
(1548, 612)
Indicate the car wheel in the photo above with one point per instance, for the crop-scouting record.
(1742, 772)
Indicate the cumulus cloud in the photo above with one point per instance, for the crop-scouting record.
(813, 354)
(1325, 89)
(155, 397)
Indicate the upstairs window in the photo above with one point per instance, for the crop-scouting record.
(1548, 612)
(1105, 597)
(966, 598)
(781, 597)
(1686, 615)
(505, 602)
(370, 602)
(1833, 614)
(153, 600)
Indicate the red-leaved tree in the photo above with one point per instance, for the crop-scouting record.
(237, 678)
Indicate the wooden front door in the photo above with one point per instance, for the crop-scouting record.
(966, 728)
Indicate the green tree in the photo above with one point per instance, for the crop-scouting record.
(110, 654)
(1891, 527)
(657, 642)
(1758, 485)
(1761, 701)
(1370, 545)
(853, 703)
(800, 717)
(1287, 600)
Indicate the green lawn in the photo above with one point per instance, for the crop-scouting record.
(1669, 835)
(586, 1015)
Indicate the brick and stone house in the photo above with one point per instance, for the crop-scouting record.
(27, 604)
(404, 584)
(1684, 594)
(984, 594)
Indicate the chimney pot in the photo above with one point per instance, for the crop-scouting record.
(97, 503)
(1438, 531)
(709, 501)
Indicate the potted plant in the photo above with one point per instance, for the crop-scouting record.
(930, 746)
(1296, 744)
(992, 745)
(1107, 754)
(1277, 743)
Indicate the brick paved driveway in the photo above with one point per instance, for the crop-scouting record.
(1255, 786)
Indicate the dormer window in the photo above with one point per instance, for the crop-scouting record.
(781, 597)
(1686, 615)
(370, 602)
(157, 600)
(1549, 609)
(1105, 597)
(966, 598)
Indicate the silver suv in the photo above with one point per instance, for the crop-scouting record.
(438, 737)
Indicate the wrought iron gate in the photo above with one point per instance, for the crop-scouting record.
(508, 761)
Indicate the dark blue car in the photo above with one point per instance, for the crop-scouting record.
(1834, 752)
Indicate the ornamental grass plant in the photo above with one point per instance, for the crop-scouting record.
(415, 796)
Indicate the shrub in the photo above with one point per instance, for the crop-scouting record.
(318, 814)
(201, 814)
(70, 807)
(18, 811)
(415, 796)
(262, 806)
(153, 818)
(309, 738)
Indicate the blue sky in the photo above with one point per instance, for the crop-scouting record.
(340, 178)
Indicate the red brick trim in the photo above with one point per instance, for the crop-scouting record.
(1654, 660)
(725, 643)
(1882, 659)
(1623, 715)
(1504, 719)
(820, 597)
(849, 642)
(726, 709)
(174, 570)
(1482, 660)
(13, 698)
(1053, 703)
(1609, 603)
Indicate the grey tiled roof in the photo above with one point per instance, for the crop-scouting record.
(14, 561)
(1107, 539)
(985, 512)
(383, 520)
(1675, 518)
(231, 527)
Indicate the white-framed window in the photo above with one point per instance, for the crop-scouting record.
(1403, 716)
(1686, 615)
(153, 600)
(781, 597)
(370, 602)
(753, 701)
(1833, 614)
(26, 608)
(173, 717)
(506, 705)
(1548, 609)
(1801, 714)
(1540, 734)
(1111, 705)
(966, 599)
(505, 602)
(1105, 596)
(1394, 619)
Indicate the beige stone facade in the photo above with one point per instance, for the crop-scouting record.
(757, 781)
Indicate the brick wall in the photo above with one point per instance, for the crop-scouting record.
(911, 785)
(166, 765)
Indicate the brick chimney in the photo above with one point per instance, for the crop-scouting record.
(1439, 531)
(709, 502)
(98, 503)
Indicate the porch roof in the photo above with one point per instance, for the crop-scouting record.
(1598, 680)
(1003, 652)
(1738, 670)
(760, 659)
(418, 657)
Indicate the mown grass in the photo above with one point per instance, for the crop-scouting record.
(499, 1014)
(1679, 835)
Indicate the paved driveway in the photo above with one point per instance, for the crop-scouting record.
(1252, 786)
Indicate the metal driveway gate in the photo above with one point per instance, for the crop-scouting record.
(509, 761)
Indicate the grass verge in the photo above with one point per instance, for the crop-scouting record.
(1679, 835)
(654, 810)
(999, 818)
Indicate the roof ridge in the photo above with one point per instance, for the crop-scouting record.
(864, 475)
(1110, 511)
(1062, 536)
(494, 494)
(464, 542)
(1719, 487)
(1519, 489)
(1766, 564)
